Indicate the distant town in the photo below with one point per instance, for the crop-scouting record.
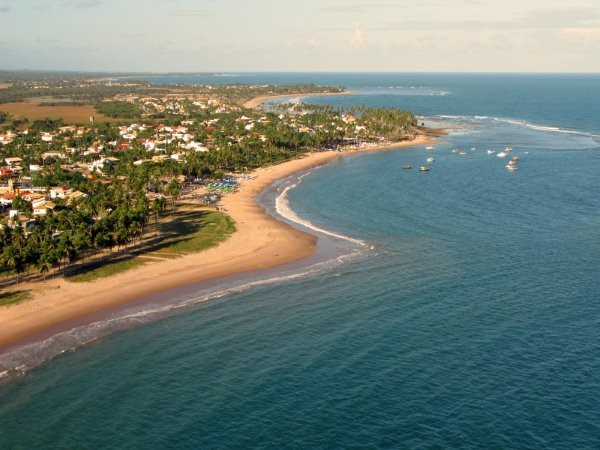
(87, 163)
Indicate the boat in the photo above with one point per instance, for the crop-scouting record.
(407, 167)
(430, 147)
(501, 155)
(512, 167)
(462, 153)
(423, 169)
(430, 160)
(454, 150)
(491, 152)
(514, 159)
(508, 149)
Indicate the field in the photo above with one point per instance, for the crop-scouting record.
(4, 85)
(69, 114)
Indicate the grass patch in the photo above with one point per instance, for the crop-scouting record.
(106, 270)
(197, 232)
(181, 233)
(10, 298)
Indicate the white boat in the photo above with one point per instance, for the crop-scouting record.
(455, 150)
(508, 149)
(462, 153)
(512, 167)
(407, 167)
(430, 160)
(491, 152)
(430, 147)
(423, 169)
(501, 155)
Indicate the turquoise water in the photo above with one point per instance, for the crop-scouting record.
(473, 321)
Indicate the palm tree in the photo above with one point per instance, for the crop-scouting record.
(43, 265)
(158, 205)
(173, 191)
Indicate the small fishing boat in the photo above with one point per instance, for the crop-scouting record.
(423, 169)
(407, 167)
(462, 153)
(512, 167)
(514, 159)
(430, 160)
(455, 150)
(490, 152)
(430, 147)
(508, 149)
(501, 155)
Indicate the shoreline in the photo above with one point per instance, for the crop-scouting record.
(256, 102)
(260, 241)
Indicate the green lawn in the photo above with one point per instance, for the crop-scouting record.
(9, 298)
(180, 233)
(106, 270)
(191, 232)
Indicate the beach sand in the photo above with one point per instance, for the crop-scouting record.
(259, 242)
(256, 102)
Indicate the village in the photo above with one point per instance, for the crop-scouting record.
(70, 190)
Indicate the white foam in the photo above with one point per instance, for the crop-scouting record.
(517, 122)
(17, 362)
(283, 208)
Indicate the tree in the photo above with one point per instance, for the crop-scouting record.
(43, 265)
(158, 205)
(173, 191)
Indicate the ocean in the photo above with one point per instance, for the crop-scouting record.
(458, 307)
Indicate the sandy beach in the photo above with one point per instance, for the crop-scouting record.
(259, 242)
(256, 102)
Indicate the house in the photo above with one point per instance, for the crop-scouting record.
(76, 195)
(178, 156)
(41, 208)
(7, 199)
(60, 192)
(13, 161)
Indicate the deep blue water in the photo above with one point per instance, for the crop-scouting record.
(473, 322)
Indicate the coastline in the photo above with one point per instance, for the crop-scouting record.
(257, 101)
(260, 242)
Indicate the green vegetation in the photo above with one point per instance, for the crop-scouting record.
(10, 298)
(107, 269)
(86, 192)
(122, 110)
(181, 233)
(4, 116)
(194, 231)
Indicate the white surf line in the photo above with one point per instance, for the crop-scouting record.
(282, 206)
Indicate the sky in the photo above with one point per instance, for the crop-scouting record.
(301, 35)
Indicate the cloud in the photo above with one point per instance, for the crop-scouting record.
(359, 8)
(86, 3)
(190, 13)
(537, 19)
(303, 43)
(358, 37)
(312, 42)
